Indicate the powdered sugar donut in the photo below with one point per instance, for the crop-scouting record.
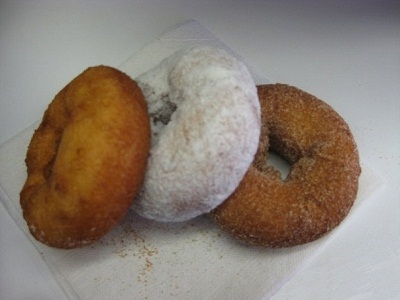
(205, 117)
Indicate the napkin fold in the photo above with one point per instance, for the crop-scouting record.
(142, 259)
(186, 35)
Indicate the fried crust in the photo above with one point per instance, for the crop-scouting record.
(87, 159)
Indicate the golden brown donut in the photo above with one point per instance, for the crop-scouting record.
(86, 161)
(321, 186)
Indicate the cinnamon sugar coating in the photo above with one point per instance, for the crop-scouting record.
(322, 184)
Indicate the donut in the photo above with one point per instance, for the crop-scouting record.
(321, 187)
(205, 118)
(86, 160)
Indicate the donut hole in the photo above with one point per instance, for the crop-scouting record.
(164, 113)
(275, 160)
(279, 163)
(161, 114)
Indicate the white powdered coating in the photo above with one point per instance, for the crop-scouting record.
(206, 124)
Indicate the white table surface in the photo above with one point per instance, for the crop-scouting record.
(347, 51)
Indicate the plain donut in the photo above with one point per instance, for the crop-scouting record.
(86, 161)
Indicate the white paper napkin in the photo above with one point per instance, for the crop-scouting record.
(142, 259)
(186, 35)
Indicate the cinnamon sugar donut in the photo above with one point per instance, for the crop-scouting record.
(205, 117)
(321, 186)
(87, 159)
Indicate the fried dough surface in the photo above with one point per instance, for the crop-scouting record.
(86, 161)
